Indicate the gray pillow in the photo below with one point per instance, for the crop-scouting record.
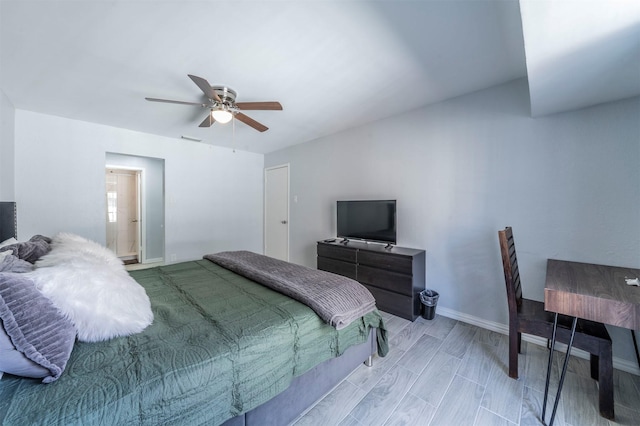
(37, 330)
(13, 264)
(31, 250)
(13, 361)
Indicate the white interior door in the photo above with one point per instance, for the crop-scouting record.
(276, 212)
(123, 213)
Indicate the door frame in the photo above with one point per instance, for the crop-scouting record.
(141, 206)
(264, 225)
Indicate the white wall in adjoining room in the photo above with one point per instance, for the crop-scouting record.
(7, 148)
(461, 170)
(213, 196)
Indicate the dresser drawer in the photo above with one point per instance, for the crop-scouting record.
(337, 267)
(336, 252)
(392, 281)
(388, 261)
(396, 304)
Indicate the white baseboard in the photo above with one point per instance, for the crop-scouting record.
(618, 363)
(156, 260)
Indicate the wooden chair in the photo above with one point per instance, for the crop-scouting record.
(528, 316)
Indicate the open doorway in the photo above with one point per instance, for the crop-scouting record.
(124, 213)
(148, 226)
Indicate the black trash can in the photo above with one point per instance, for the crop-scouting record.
(429, 299)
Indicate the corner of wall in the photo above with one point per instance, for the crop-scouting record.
(7, 148)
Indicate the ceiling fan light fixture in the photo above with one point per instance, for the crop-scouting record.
(221, 116)
(222, 105)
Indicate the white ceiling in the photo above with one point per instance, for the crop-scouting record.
(581, 53)
(332, 64)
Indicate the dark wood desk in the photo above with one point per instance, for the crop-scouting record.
(593, 292)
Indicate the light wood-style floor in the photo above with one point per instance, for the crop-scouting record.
(446, 372)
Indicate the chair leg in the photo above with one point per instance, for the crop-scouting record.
(514, 346)
(595, 367)
(605, 382)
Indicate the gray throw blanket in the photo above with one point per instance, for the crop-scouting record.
(31, 250)
(336, 299)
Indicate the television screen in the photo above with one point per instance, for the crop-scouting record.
(371, 220)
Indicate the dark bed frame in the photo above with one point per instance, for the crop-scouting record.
(308, 388)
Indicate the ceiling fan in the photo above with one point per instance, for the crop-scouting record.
(223, 106)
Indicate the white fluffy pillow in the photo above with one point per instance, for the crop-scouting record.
(90, 285)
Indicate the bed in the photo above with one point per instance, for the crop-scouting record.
(222, 349)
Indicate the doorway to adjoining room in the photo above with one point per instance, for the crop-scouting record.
(134, 209)
(123, 213)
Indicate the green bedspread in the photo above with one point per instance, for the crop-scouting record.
(219, 346)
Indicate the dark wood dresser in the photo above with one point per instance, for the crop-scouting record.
(395, 276)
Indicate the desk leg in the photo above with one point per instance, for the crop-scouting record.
(549, 364)
(564, 369)
(635, 345)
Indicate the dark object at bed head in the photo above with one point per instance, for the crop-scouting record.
(8, 226)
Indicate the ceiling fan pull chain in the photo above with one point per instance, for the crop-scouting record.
(233, 133)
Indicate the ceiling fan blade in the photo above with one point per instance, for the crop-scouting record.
(205, 87)
(208, 121)
(251, 122)
(259, 105)
(169, 101)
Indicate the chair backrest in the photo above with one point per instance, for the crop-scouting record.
(510, 265)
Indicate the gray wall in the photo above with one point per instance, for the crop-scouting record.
(153, 199)
(213, 196)
(7, 137)
(463, 169)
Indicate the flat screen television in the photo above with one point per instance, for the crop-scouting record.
(370, 220)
